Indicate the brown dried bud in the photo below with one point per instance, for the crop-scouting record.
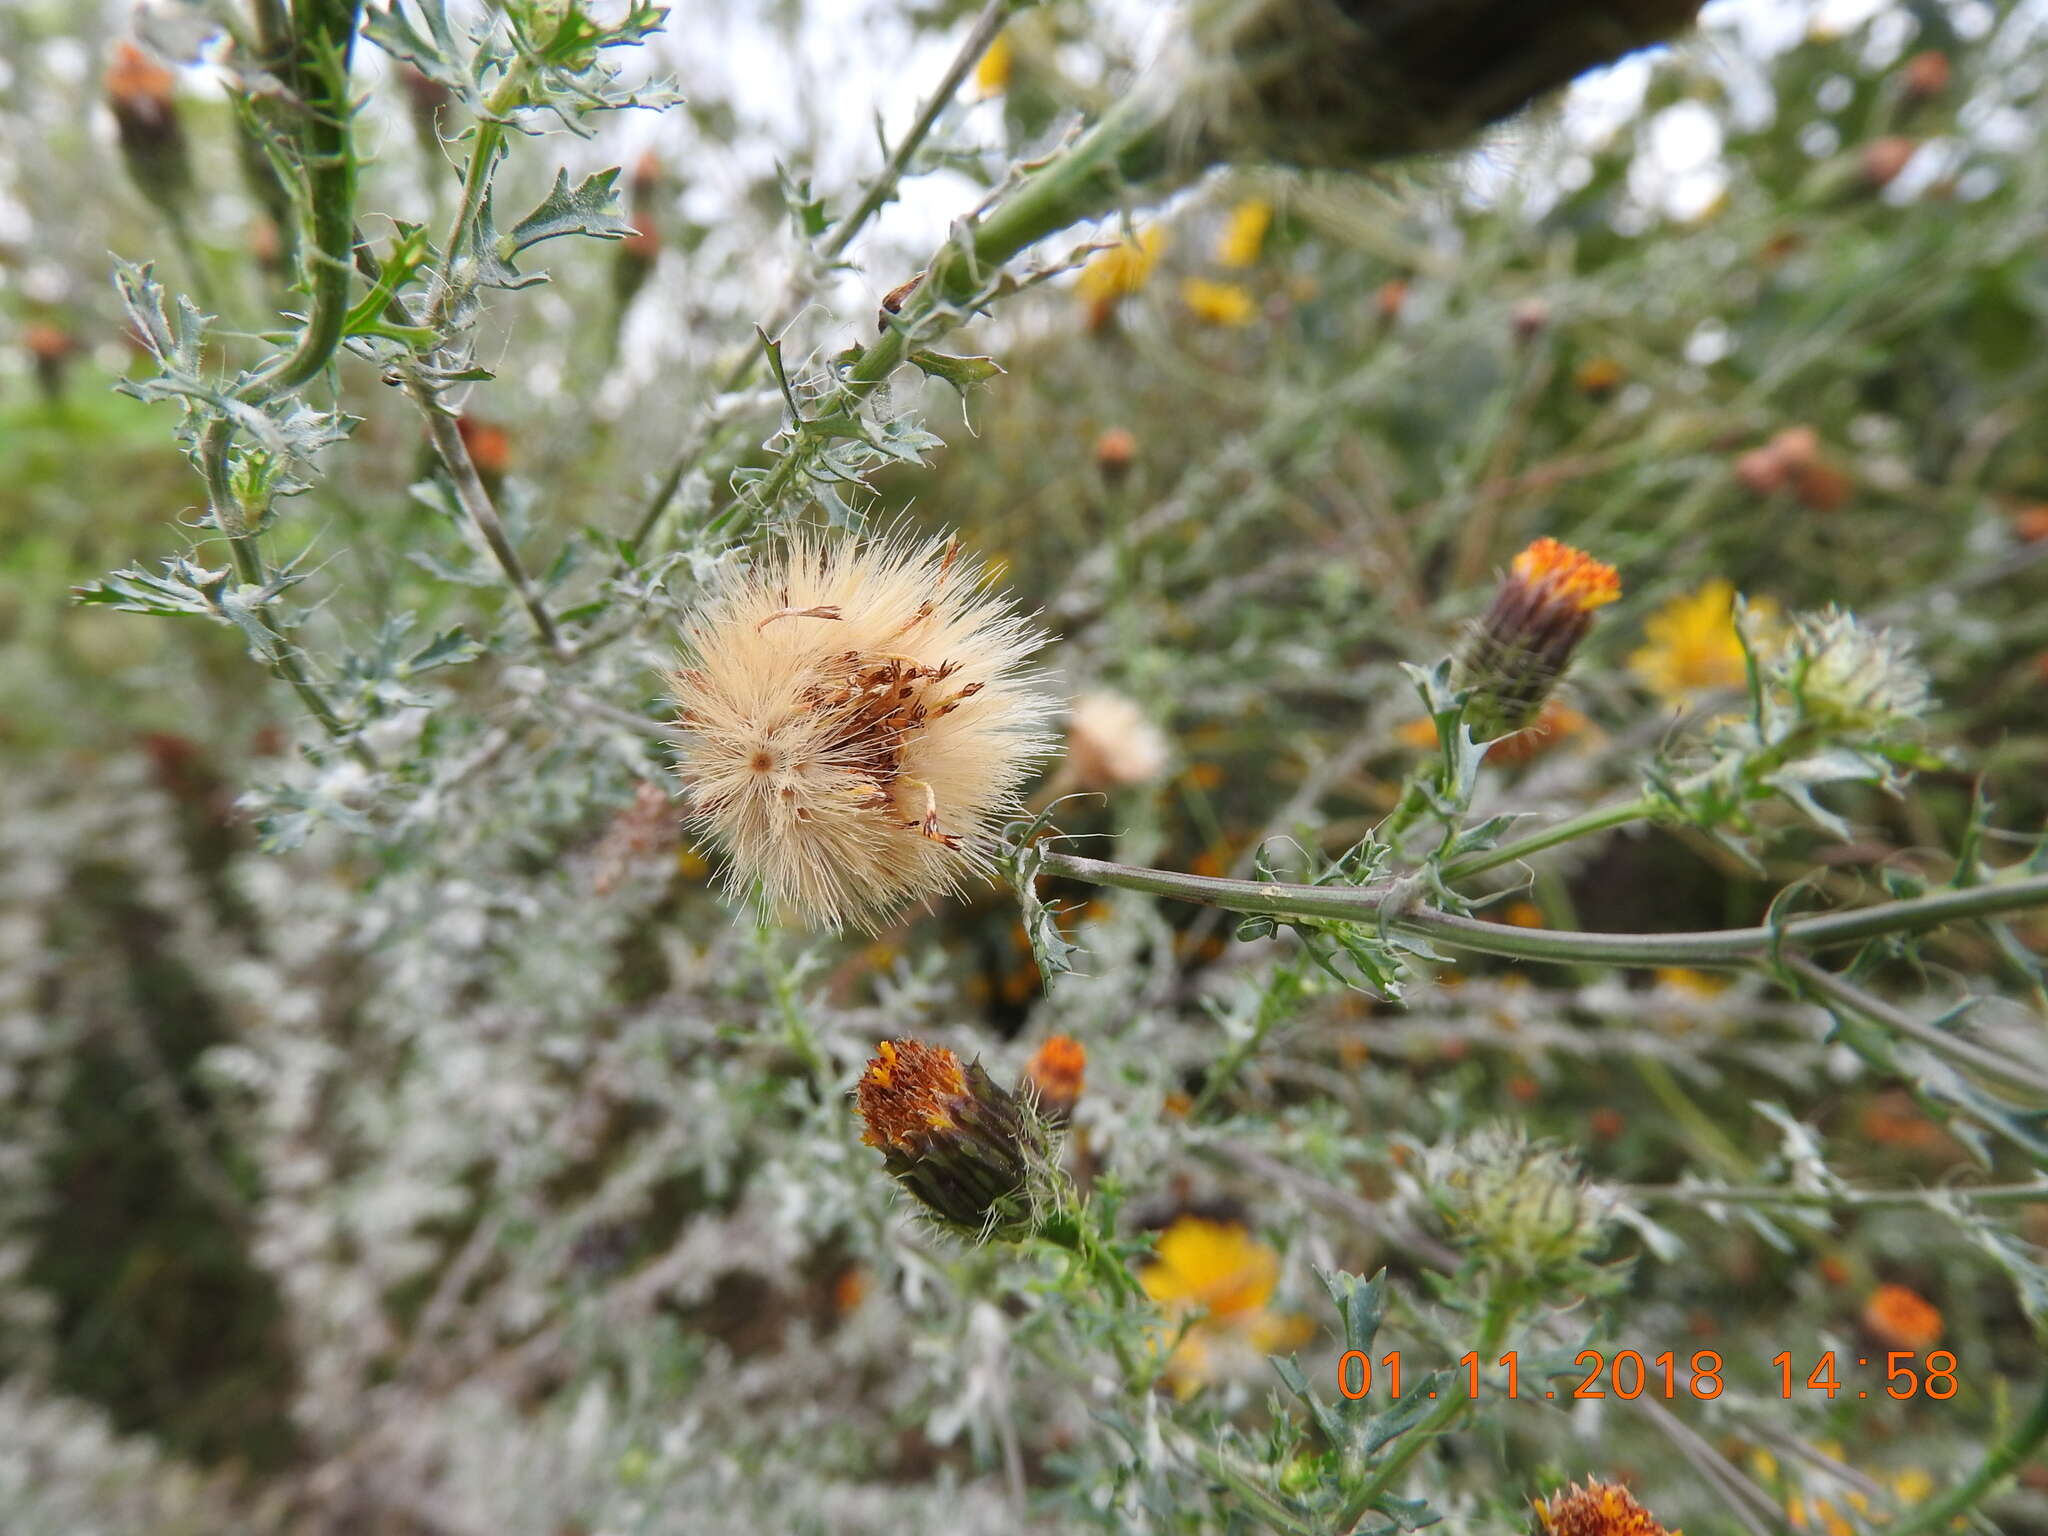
(1516, 653)
(893, 300)
(1530, 318)
(1116, 450)
(141, 95)
(1881, 160)
(1822, 487)
(1925, 75)
(51, 348)
(490, 449)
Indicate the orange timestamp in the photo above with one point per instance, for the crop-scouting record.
(1629, 1374)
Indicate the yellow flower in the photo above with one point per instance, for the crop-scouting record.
(1912, 1486)
(1217, 303)
(1245, 235)
(992, 74)
(1123, 268)
(1693, 647)
(1220, 1276)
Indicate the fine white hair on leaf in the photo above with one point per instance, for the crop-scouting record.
(857, 722)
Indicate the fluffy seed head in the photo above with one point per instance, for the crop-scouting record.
(858, 721)
(1111, 745)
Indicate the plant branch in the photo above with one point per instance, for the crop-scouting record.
(1714, 947)
(2004, 1458)
(1845, 993)
(1598, 819)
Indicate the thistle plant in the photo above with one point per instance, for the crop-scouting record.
(529, 1171)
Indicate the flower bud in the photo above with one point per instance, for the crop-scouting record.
(976, 1157)
(140, 95)
(1116, 450)
(1846, 676)
(1926, 74)
(1520, 1207)
(1516, 653)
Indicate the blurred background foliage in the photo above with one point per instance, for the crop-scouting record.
(454, 1170)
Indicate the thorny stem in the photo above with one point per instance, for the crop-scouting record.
(879, 191)
(2005, 1457)
(319, 70)
(1728, 947)
(873, 199)
(1077, 182)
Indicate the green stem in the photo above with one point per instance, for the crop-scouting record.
(324, 42)
(1078, 182)
(478, 507)
(1501, 1306)
(1599, 819)
(2005, 1458)
(879, 191)
(1729, 947)
(1843, 993)
(1274, 1006)
(873, 198)
(1767, 1194)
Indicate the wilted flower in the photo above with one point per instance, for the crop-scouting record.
(1244, 236)
(974, 1155)
(1847, 677)
(140, 95)
(1692, 647)
(1217, 303)
(1057, 1071)
(1516, 653)
(1596, 1509)
(858, 721)
(1521, 1207)
(1219, 1278)
(1111, 745)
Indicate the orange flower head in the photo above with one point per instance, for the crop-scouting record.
(1902, 1318)
(1057, 1072)
(1520, 648)
(907, 1092)
(974, 1155)
(1567, 575)
(1597, 1509)
(141, 94)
